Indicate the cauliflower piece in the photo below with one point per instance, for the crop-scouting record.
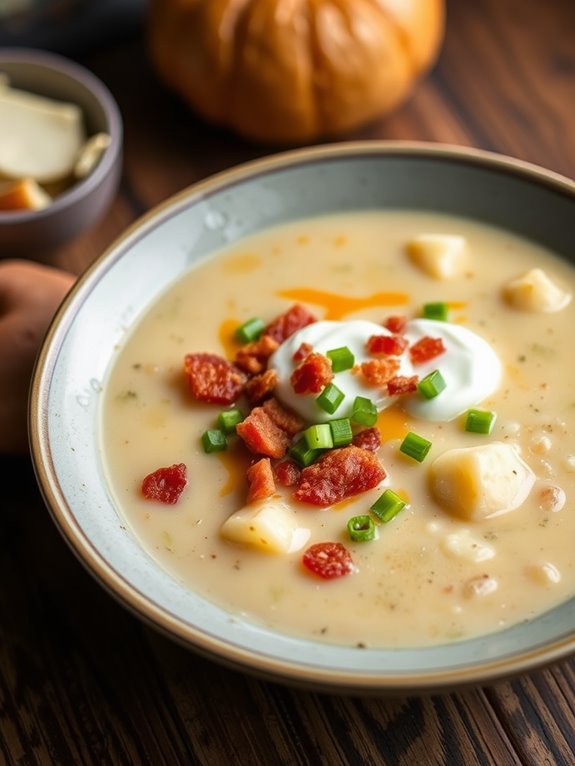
(535, 291)
(268, 525)
(475, 483)
(441, 256)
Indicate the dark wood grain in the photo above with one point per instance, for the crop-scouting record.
(81, 680)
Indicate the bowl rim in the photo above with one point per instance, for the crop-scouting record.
(84, 186)
(231, 655)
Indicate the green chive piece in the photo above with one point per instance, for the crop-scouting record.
(364, 411)
(302, 454)
(438, 311)
(330, 398)
(341, 359)
(415, 446)
(361, 529)
(250, 330)
(319, 436)
(229, 419)
(387, 506)
(432, 385)
(480, 421)
(214, 440)
(341, 432)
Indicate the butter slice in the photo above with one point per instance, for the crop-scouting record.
(39, 138)
(91, 154)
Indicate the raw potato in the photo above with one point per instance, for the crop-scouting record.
(535, 291)
(441, 256)
(475, 483)
(268, 525)
(29, 296)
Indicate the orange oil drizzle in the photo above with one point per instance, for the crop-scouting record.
(227, 338)
(236, 463)
(337, 306)
(242, 264)
(392, 423)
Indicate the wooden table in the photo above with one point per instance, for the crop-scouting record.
(81, 680)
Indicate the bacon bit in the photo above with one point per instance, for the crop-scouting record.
(303, 351)
(285, 419)
(395, 324)
(328, 560)
(261, 386)
(369, 439)
(292, 320)
(165, 484)
(388, 345)
(213, 379)
(426, 349)
(311, 375)
(378, 372)
(402, 385)
(261, 435)
(261, 480)
(287, 473)
(338, 474)
(253, 357)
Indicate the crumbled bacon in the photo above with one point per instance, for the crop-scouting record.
(165, 484)
(261, 480)
(261, 386)
(395, 324)
(377, 372)
(426, 349)
(292, 320)
(261, 435)
(311, 375)
(304, 350)
(401, 384)
(369, 439)
(387, 345)
(213, 379)
(285, 419)
(287, 473)
(253, 357)
(328, 560)
(338, 474)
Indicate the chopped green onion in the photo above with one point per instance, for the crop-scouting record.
(302, 454)
(319, 436)
(432, 385)
(361, 529)
(480, 421)
(341, 359)
(438, 311)
(214, 440)
(330, 398)
(415, 446)
(229, 419)
(250, 330)
(364, 411)
(341, 432)
(387, 506)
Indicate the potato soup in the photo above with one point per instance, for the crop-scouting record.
(483, 536)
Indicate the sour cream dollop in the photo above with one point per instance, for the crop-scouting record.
(469, 365)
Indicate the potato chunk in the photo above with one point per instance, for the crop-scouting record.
(441, 256)
(475, 483)
(268, 525)
(535, 291)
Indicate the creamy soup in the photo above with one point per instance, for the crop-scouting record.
(436, 572)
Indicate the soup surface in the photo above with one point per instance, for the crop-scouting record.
(430, 575)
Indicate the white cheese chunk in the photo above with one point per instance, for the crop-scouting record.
(268, 525)
(475, 483)
(535, 291)
(463, 545)
(39, 138)
(441, 256)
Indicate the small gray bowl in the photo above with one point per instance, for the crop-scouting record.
(33, 233)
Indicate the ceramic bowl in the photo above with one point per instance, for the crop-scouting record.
(33, 233)
(107, 301)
